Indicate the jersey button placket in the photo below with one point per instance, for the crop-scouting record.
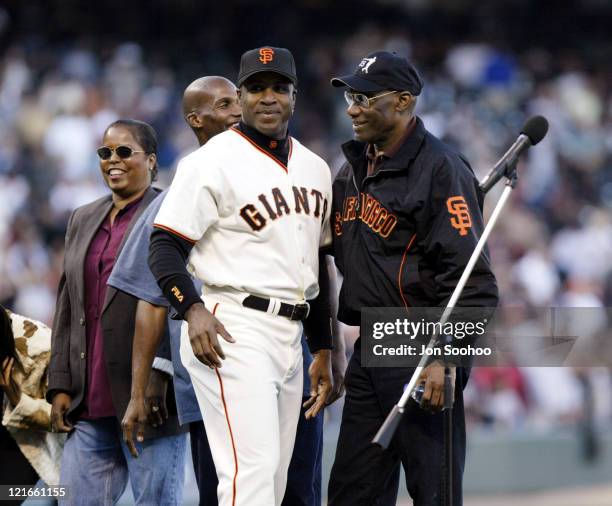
(297, 226)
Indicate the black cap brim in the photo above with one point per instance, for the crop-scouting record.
(291, 78)
(356, 83)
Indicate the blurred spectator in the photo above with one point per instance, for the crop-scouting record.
(31, 453)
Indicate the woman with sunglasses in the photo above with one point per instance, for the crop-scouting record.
(30, 454)
(90, 369)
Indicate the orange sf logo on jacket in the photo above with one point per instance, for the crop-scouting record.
(266, 55)
(460, 219)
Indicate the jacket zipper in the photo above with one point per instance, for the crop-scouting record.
(358, 206)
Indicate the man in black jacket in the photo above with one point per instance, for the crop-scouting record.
(407, 214)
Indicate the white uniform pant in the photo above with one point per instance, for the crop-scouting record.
(251, 405)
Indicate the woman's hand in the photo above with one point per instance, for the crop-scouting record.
(59, 408)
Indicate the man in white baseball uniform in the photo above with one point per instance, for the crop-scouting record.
(249, 211)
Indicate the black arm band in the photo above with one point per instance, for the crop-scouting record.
(318, 324)
(168, 255)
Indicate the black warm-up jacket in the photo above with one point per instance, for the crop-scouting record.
(403, 236)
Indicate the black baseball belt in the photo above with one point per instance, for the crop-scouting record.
(291, 311)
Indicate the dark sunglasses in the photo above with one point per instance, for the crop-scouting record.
(122, 152)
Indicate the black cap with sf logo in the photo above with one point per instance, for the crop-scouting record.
(381, 71)
(267, 59)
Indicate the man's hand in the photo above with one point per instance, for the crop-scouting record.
(135, 417)
(59, 408)
(155, 398)
(203, 330)
(12, 391)
(433, 378)
(152, 409)
(320, 383)
(338, 365)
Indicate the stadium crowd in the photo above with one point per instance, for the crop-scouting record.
(553, 244)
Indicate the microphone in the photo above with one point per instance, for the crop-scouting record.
(533, 131)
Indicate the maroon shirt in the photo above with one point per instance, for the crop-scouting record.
(99, 263)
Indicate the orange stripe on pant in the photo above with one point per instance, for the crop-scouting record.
(229, 425)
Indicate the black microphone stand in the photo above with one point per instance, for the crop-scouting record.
(387, 430)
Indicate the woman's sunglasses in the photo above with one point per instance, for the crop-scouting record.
(122, 152)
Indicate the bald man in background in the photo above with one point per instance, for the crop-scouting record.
(210, 106)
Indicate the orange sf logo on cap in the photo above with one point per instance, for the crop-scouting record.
(266, 55)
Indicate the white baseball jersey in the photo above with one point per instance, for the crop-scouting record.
(256, 224)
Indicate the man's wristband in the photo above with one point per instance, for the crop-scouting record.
(319, 343)
(181, 293)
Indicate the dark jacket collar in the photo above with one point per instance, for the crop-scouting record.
(90, 219)
(355, 152)
(143, 203)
